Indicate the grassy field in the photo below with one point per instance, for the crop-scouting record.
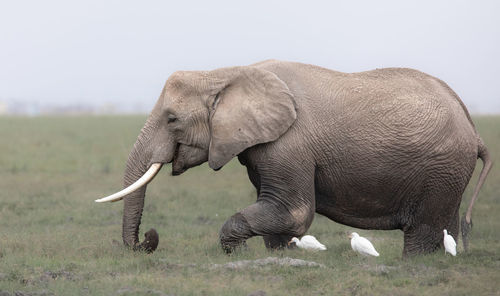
(55, 239)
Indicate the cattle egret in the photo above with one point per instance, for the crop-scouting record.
(308, 242)
(362, 245)
(450, 245)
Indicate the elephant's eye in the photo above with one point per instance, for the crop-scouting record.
(171, 118)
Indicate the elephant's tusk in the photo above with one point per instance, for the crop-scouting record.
(145, 179)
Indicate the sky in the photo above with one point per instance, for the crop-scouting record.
(122, 52)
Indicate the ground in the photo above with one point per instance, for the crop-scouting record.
(54, 240)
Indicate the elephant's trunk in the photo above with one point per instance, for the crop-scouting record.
(134, 202)
(153, 147)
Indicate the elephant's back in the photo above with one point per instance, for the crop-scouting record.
(394, 103)
(396, 108)
(393, 97)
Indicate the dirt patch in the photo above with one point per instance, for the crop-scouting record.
(132, 291)
(286, 261)
(379, 269)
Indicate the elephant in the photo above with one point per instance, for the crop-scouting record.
(390, 148)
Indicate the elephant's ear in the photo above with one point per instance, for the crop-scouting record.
(253, 107)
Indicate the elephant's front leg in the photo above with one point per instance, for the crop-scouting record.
(276, 241)
(266, 219)
(235, 232)
(285, 208)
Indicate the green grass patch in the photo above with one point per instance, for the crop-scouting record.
(54, 238)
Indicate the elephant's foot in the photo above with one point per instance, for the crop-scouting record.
(150, 243)
(234, 233)
(421, 239)
(278, 242)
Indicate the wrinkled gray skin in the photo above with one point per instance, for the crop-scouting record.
(384, 149)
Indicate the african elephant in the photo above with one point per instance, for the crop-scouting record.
(384, 149)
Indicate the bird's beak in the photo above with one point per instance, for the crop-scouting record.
(349, 236)
(289, 242)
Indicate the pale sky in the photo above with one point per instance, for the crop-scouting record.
(122, 52)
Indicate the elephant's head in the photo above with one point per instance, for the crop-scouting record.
(203, 116)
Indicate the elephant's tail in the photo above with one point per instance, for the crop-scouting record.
(487, 164)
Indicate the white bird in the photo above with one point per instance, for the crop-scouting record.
(308, 242)
(450, 245)
(362, 245)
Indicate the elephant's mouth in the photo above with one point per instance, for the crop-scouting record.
(177, 163)
(187, 156)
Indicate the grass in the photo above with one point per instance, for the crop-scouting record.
(54, 238)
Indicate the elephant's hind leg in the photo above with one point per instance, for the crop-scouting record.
(436, 212)
(421, 239)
